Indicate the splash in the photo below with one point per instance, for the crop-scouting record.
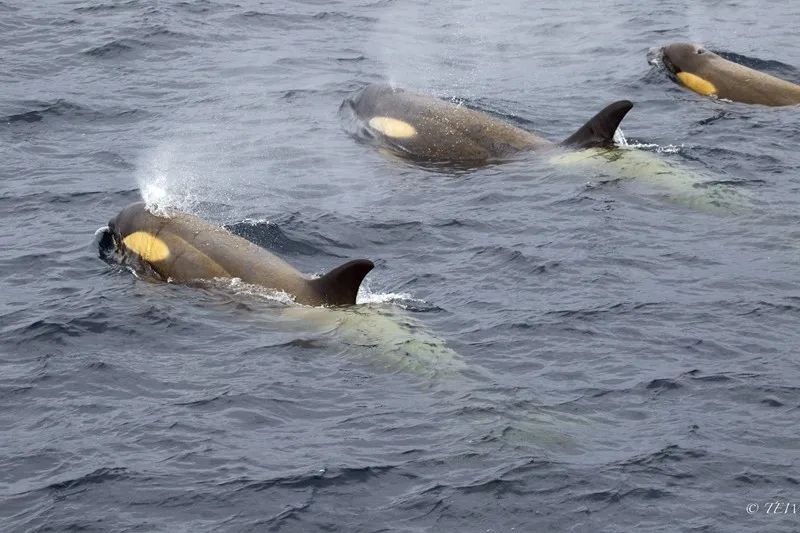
(402, 300)
(255, 221)
(166, 182)
(184, 176)
(237, 286)
(621, 141)
(619, 138)
(429, 56)
(657, 148)
(366, 297)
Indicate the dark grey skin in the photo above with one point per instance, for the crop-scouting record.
(447, 132)
(198, 250)
(731, 81)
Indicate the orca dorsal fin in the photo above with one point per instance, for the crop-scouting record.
(340, 285)
(599, 130)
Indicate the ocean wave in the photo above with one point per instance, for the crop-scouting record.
(68, 111)
(115, 48)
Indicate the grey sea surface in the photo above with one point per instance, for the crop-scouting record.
(541, 346)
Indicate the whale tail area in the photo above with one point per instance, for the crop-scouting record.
(340, 285)
(599, 130)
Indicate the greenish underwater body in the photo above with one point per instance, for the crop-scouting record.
(675, 181)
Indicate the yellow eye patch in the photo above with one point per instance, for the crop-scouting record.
(392, 127)
(147, 246)
(697, 84)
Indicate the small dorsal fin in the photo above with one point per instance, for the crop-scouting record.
(599, 130)
(340, 285)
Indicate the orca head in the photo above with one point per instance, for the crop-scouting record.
(111, 238)
(687, 64)
(136, 231)
(683, 57)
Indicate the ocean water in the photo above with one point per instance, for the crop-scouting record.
(541, 347)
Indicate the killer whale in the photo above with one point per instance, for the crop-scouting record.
(183, 248)
(426, 128)
(709, 74)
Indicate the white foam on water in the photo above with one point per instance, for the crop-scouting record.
(403, 300)
(255, 221)
(651, 147)
(237, 286)
(384, 297)
(620, 140)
